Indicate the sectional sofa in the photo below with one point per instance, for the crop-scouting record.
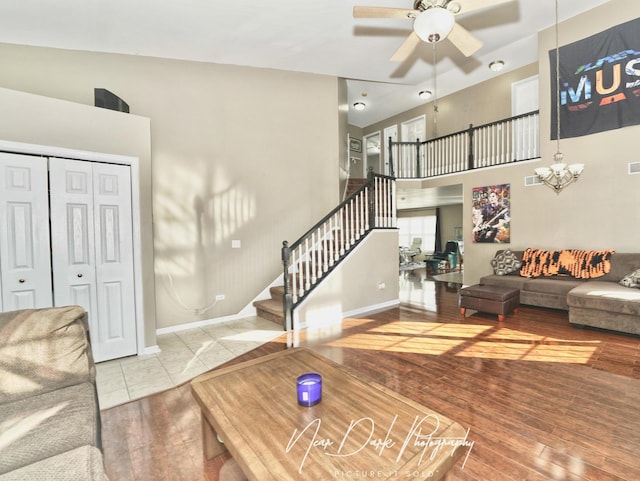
(49, 414)
(600, 302)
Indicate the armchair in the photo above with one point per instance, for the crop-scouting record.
(440, 257)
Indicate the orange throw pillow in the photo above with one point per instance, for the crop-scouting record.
(568, 263)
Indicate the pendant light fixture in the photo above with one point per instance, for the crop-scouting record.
(558, 175)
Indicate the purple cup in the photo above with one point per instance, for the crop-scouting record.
(309, 389)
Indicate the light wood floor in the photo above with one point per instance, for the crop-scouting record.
(543, 401)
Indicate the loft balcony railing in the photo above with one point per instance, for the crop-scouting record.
(502, 142)
(312, 257)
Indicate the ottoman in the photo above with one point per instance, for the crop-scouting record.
(491, 299)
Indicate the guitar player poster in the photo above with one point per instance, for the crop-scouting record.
(492, 214)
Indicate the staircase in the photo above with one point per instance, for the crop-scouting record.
(272, 309)
(326, 244)
(354, 185)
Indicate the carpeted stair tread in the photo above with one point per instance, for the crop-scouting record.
(270, 309)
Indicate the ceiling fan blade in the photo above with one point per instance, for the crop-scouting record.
(471, 5)
(383, 12)
(464, 41)
(406, 48)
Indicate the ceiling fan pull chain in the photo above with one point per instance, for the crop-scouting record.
(435, 94)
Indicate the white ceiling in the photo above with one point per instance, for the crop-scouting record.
(317, 36)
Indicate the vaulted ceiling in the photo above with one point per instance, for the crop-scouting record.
(298, 35)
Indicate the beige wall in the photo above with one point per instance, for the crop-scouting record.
(366, 281)
(237, 154)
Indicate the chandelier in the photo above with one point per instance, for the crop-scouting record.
(558, 175)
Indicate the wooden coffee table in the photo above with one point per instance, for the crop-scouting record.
(359, 426)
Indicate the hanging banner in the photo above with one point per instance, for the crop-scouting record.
(599, 82)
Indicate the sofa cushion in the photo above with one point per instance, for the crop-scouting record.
(83, 463)
(631, 280)
(42, 350)
(514, 282)
(557, 286)
(505, 262)
(571, 263)
(605, 296)
(622, 264)
(42, 426)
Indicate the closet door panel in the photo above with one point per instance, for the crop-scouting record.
(25, 267)
(73, 238)
(114, 259)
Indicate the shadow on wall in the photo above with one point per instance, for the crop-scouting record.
(196, 214)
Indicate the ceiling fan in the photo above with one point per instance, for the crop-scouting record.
(433, 21)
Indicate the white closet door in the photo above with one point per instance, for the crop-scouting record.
(114, 260)
(25, 265)
(93, 250)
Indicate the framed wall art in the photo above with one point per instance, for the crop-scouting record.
(492, 214)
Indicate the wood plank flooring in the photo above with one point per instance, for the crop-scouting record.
(543, 400)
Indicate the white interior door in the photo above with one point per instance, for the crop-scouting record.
(92, 239)
(372, 151)
(525, 99)
(412, 131)
(392, 132)
(25, 279)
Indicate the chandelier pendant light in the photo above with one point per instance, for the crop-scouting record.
(558, 175)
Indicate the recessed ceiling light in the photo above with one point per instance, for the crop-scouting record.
(425, 94)
(496, 65)
(359, 105)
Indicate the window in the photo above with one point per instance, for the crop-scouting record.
(423, 226)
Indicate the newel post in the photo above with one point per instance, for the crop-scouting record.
(287, 303)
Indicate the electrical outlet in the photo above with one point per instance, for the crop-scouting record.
(220, 297)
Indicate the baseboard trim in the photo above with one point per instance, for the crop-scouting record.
(203, 323)
(150, 350)
(243, 315)
(353, 313)
(372, 309)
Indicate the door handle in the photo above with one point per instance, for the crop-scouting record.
(80, 274)
(21, 281)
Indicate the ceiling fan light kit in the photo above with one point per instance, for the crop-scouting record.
(433, 21)
(434, 24)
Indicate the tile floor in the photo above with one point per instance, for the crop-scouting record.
(183, 355)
